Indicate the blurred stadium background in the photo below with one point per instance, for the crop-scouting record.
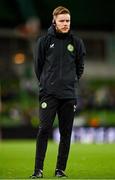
(21, 22)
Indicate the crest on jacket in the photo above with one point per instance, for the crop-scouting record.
(70, 47)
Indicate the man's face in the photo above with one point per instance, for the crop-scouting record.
(62, 23)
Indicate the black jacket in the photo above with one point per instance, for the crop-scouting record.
(59, 63)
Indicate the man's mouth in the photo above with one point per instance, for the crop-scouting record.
(65, 28)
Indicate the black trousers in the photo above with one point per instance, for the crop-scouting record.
(64, 108)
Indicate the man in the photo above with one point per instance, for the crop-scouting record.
(58, 65)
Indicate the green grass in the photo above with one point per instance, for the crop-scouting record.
(86, 161)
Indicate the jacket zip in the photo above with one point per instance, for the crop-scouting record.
(60, 62)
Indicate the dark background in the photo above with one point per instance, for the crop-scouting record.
(86, 14)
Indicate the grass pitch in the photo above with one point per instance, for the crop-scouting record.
(86, 161)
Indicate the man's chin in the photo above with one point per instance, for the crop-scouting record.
(64, 32)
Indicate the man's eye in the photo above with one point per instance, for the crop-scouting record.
(64, 20)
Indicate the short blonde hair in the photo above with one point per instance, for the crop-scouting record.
(60, 10)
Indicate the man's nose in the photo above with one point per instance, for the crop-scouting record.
(65, 23)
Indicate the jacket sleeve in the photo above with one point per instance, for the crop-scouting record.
(81, 52)
(39, 57)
